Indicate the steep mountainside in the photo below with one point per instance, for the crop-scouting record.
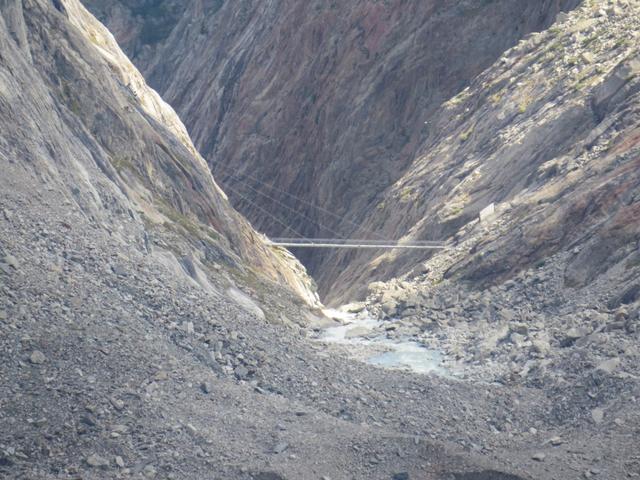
(141, 26)
(549, 135)
(323, 100)
(118, 152)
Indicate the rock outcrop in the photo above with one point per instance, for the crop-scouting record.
(549, 136)
(118, 154)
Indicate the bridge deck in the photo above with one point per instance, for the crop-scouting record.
(339, 243)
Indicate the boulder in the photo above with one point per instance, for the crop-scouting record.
(616, 80)
(597, 415)
(37, 357)
(487, 213)
(609, 366)
(355, 307)
(357, 332)
(517, 339)
(246, 302)
(508, 315)
(12, 262)
(408, 312)
(376, 287)
(241, 372)
(574, 334)
(541, 345)
(493, 339)
(97, 461)
(390, 308)
(621, 314)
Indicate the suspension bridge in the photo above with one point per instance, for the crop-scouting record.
(352, 243)
(300, 241)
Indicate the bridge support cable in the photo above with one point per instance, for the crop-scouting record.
(230, 174)
(282, 204)
(303, 242)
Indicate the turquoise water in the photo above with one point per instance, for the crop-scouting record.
(410, 356)
(398, 355)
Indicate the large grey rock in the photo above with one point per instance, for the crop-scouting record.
(246, 302)
(149, 471)
(539, 457)
(493, 338)
(609, 366)
(355, 307)
(37, 357)
(612, 85)
(280, 447)
(597, 415)
(487, 213)
(390, 308)
(541, 344)
(575, 333)
(357, 332)
(97, 461)
(11, 261)
(241, 372)
(517, 339)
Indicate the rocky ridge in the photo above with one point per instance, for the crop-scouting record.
(542, 288)
(141, 26)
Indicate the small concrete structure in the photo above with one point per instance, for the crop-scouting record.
(487, 213)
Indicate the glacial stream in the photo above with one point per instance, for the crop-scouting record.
(367, 341)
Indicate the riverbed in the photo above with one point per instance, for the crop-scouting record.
(366, 340)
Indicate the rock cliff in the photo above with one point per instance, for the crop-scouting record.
(322, 100)
(146, 330)
(118, 154)
(548, 136)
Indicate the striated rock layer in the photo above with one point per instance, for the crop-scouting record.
(322, 100)
(330, 103)
(79, 119)
(549, 136)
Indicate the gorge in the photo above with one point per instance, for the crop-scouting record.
(150, 329)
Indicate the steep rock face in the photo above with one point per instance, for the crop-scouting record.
(140, 26)
(322, 100)
(79, 120)
(549, 134)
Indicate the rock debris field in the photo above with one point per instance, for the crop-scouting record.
(113, 367)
